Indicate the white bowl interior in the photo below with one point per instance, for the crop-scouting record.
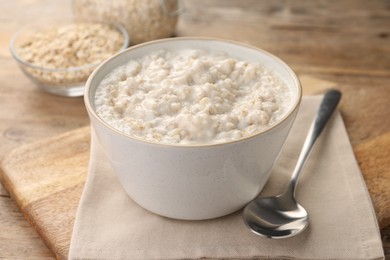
(233, 49)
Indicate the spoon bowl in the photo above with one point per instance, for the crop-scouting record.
(276, 217)
(281, 216)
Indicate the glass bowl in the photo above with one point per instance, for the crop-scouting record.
(44, 63)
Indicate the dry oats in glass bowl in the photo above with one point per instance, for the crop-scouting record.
(60, 56)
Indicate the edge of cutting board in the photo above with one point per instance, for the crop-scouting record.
(46, 180)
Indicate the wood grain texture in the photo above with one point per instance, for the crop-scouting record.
(373, 157)
(344, 42)
(46, 180)
(12, 245)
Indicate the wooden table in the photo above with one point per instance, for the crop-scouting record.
(346, 42)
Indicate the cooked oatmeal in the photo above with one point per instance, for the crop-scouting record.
(191, 96)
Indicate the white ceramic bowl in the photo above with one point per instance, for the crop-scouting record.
(193, 182)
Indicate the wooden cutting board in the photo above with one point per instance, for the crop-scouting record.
(46, 179)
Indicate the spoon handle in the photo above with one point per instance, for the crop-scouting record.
(325, 111)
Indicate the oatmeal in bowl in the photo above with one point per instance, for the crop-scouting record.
(192, 126)
(59, 56)
(191, 96)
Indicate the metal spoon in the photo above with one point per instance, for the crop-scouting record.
(281, 216)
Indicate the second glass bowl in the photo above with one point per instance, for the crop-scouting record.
(61, 80)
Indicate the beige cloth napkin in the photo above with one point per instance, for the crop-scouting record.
(109, 225)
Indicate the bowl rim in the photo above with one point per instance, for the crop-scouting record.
(16, 56)
(91, 111)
